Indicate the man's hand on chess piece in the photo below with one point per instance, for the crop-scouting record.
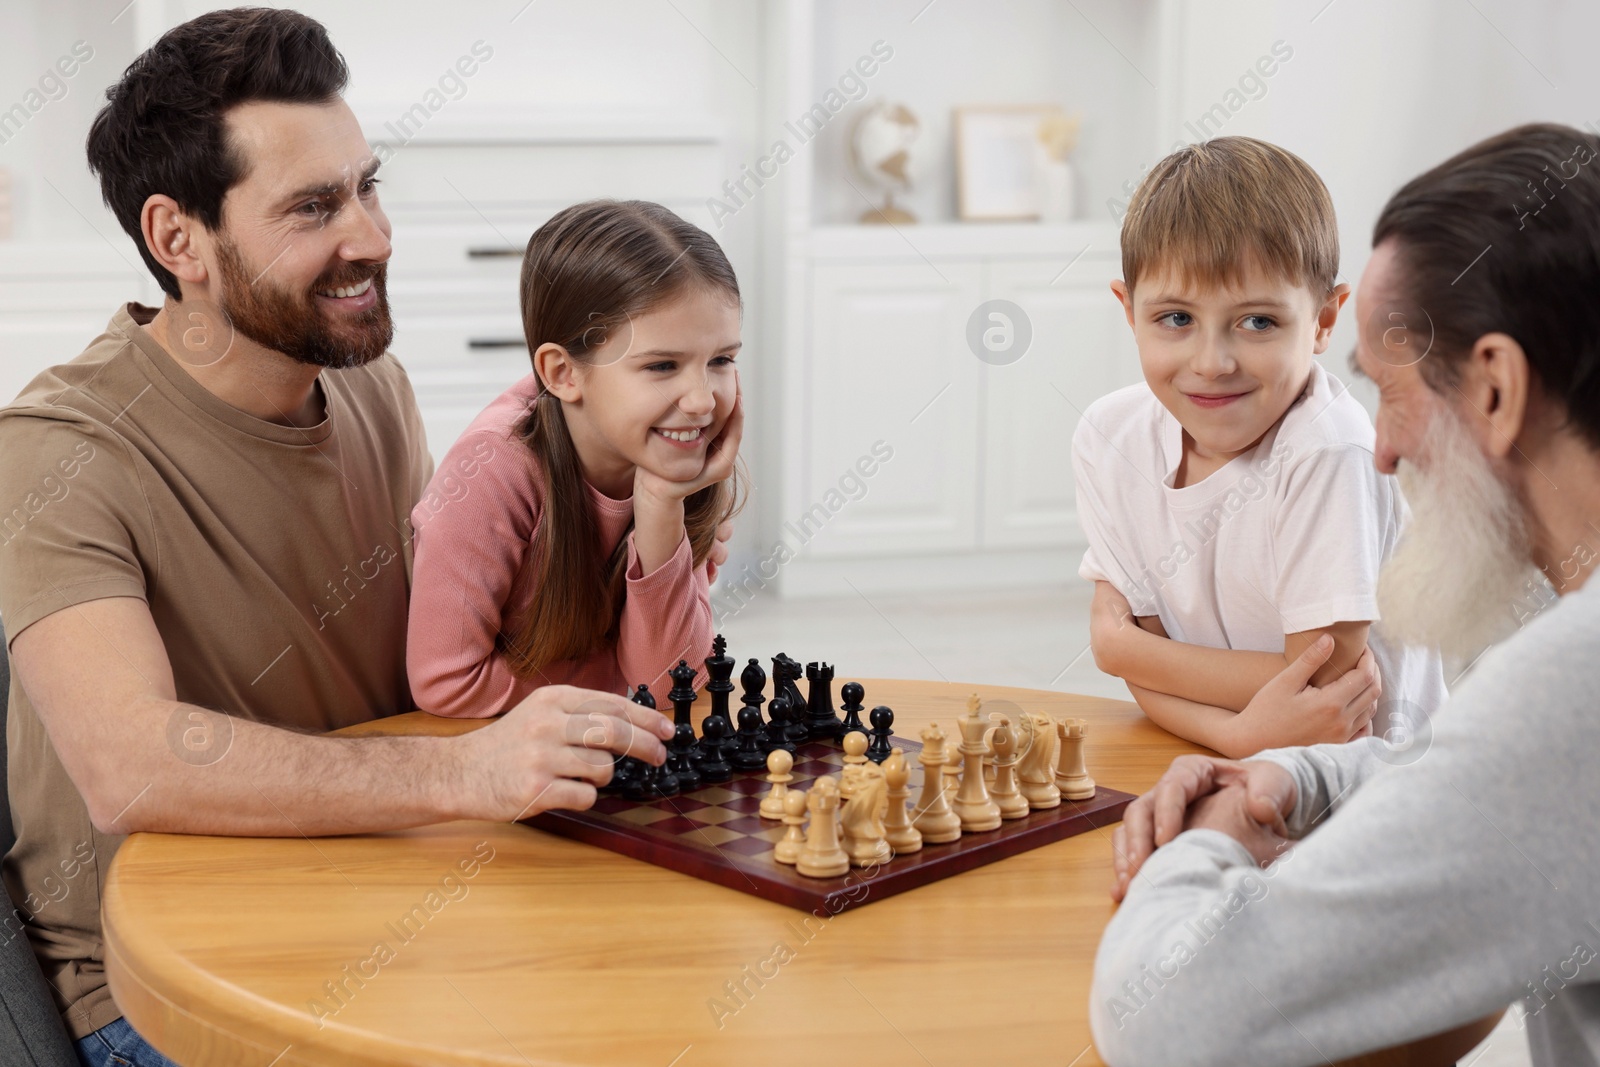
(1248, 801)
(551, 751)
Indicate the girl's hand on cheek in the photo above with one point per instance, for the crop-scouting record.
(721, 454)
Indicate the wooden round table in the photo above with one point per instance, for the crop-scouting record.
(265, 951)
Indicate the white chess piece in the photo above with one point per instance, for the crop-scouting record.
(822, 856)
(902, 836)
(787, 850)
(974, 807)
(932, 815)
(1036, 771)
(1071, 775)
(779, 763)
(1007, 797)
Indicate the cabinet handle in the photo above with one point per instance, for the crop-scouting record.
(494, 253)
(497, 342)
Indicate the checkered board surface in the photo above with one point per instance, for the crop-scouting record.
(715, 833)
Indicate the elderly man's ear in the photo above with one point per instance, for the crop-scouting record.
(1496, 382)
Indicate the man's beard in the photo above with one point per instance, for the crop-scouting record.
(293, 324)
(1464, 558)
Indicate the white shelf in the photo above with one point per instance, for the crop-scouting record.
(1094, 240)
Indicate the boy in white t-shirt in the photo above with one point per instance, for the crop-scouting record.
(1232, 509)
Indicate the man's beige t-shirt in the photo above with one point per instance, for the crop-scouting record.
(275, 561)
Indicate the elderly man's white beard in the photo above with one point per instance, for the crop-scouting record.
(1463, 559)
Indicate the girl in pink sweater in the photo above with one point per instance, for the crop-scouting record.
(568, 536)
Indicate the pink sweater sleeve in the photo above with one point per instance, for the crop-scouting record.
(666, 617)
(473, 527)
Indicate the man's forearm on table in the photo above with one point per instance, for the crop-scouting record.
(270, 782)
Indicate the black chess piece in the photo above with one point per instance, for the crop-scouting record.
(754, 680)
(878, 748)
(626, 771)
(655, 782)
(683, 751)
(779, 715)
(822, 722)
(785, 673)
(796, 732)
(719, 667)
(682, 692)
(853, 693)
(714, 765)
(750, 754)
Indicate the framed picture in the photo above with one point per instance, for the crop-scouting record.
(996, 150)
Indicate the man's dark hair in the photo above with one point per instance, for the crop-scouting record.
(1505, 238)
(163, 129)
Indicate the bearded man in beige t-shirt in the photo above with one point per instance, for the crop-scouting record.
(205, 549)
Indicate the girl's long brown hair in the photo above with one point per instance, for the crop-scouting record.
(586, 272)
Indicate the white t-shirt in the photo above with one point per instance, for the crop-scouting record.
(1284, 538)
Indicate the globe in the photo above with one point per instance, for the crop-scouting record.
(882, 153)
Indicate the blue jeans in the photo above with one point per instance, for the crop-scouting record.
(117, 1044)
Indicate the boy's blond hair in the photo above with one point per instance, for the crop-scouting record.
(1211, 209)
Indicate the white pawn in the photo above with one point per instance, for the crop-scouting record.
(855, 748)
(902, 836)
(1006, 794)
(787, 850)
(779, 763)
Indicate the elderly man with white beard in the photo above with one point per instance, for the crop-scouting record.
(1315, 903)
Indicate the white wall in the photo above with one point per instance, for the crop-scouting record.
(1379, 91)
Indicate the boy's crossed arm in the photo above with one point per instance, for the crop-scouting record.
(1234, 701)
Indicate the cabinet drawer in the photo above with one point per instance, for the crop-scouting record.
(465, 348)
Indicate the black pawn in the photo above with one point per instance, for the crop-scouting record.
(779, 715)
(853, 693)
(750, 755)
(879, 749)
(626, 771)
(714, 766)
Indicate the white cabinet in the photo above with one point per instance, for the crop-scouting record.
(981, 445)
(1080, 350)
(888, 362)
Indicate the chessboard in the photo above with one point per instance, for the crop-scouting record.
(712, 829)
(715, 834)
